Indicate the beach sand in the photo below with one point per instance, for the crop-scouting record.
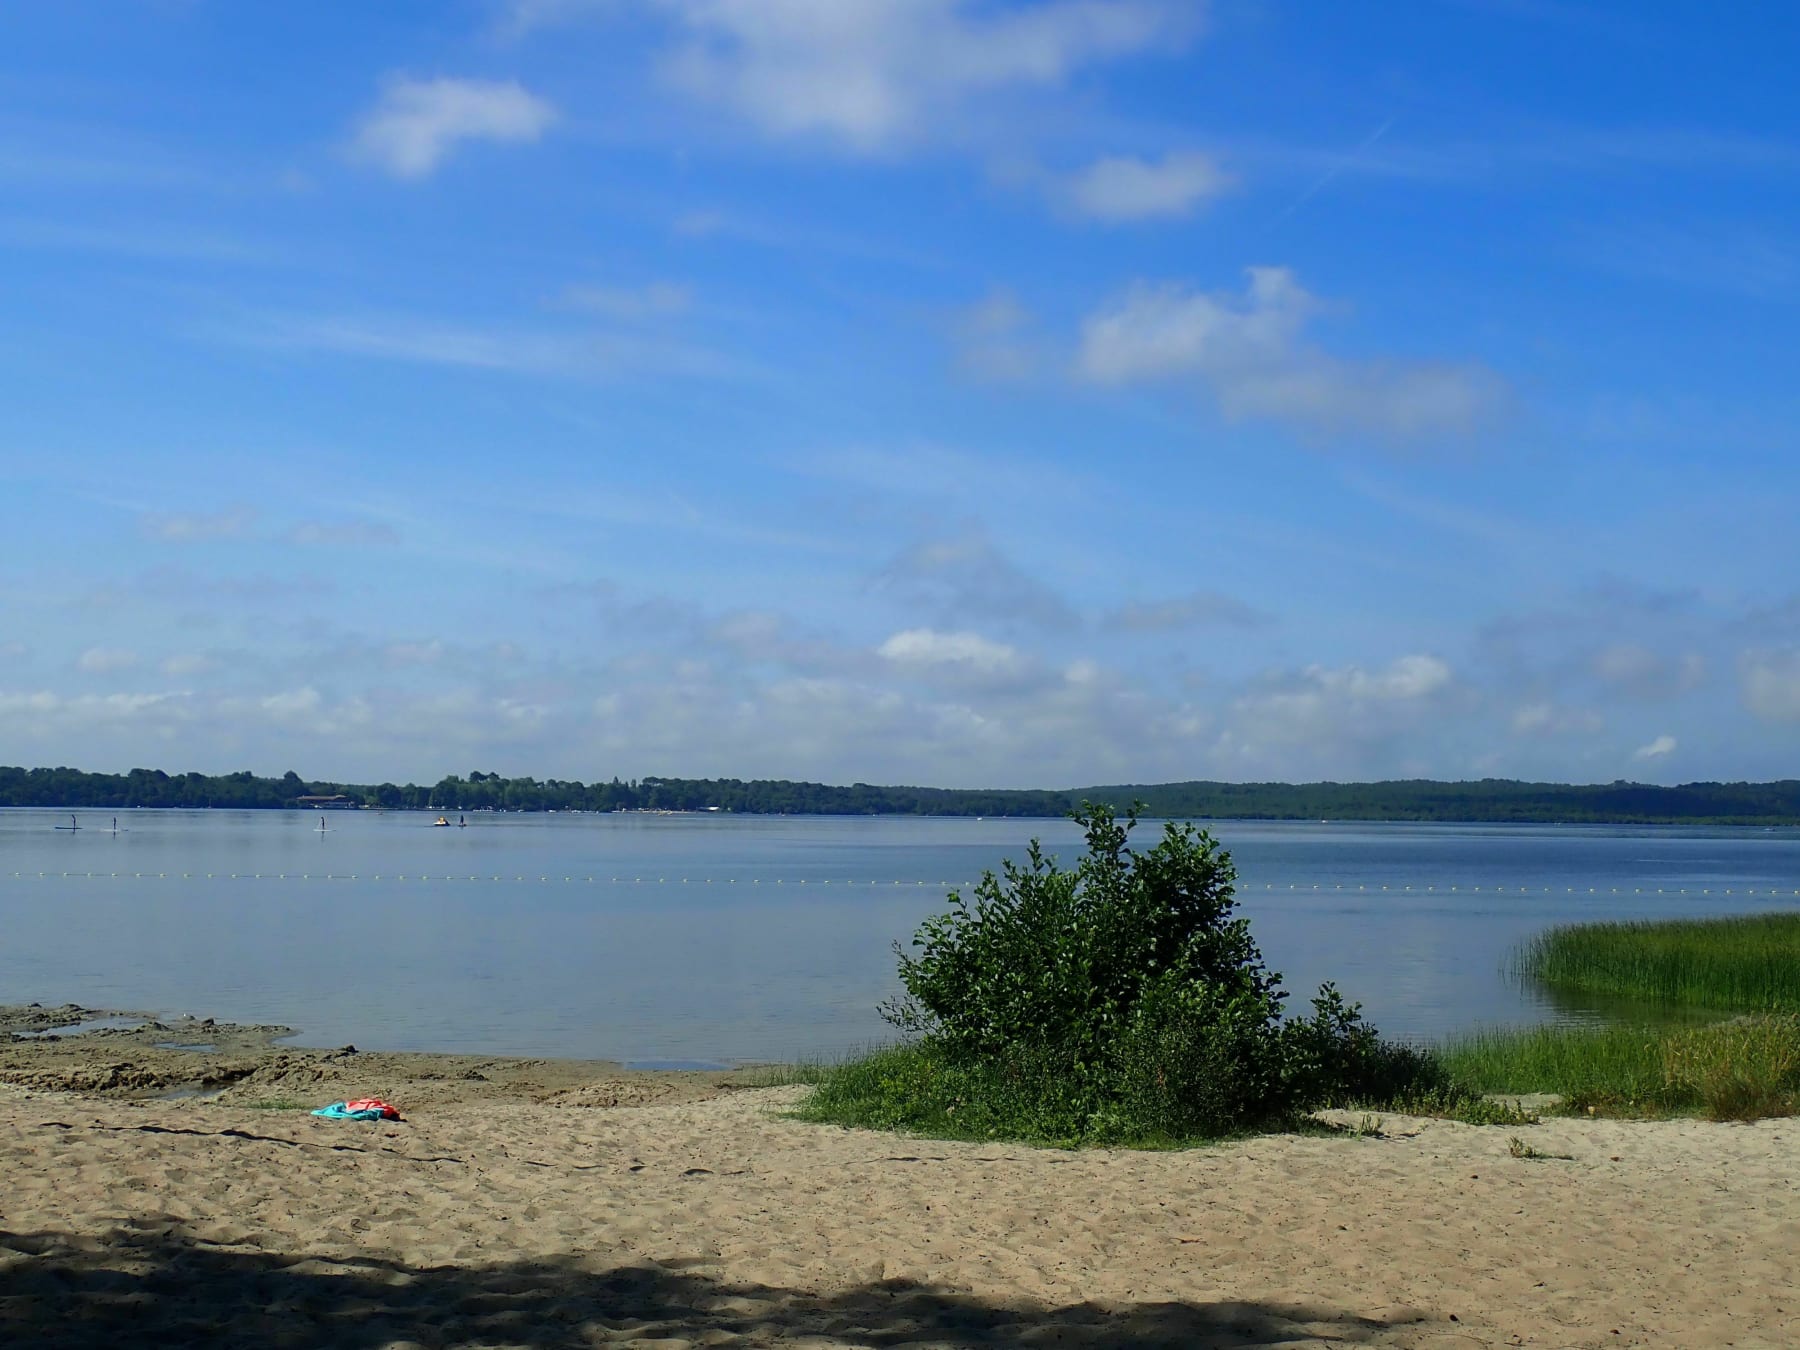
(505, 1214)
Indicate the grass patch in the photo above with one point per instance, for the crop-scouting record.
(1744, 1069)
(1464, 1104)
(1617, 1067)
(1747, 963)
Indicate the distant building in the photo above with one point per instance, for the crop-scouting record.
(337, 802)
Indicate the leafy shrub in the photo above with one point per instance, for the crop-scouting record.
(1119, 1001)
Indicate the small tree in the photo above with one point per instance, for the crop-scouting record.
(1054, 957)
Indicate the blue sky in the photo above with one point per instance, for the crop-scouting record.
(936, 391)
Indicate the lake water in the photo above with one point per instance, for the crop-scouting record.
(714, 939)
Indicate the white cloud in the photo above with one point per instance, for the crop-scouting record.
(1250, 352)
(877, 73)
(418, 123)
(922, 647)
(1772, 684)
(1657, 749)
(105, 660)
(1346, 720)
(1124, 188)
(1408, 677)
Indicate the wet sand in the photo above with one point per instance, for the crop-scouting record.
(551, 1203)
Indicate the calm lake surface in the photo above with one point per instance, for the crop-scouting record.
(714, 939)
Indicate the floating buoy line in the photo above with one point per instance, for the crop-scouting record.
(447, 878)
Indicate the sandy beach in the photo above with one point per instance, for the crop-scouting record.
(540, 1203)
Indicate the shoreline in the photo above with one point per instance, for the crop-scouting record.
(202, 1059)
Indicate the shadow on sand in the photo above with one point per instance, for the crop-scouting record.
(153, 1284)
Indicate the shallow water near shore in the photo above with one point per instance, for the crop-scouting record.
(714, 939)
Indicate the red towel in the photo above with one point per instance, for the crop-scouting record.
(373, 1104)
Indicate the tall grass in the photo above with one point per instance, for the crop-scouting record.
(1749, 963)
(1610, 1066)
(1743, 1069)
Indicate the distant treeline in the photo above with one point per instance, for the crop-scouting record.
(1490, 799)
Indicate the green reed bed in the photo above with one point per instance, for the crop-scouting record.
(1749, 963)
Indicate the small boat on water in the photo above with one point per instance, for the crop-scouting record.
(440, 823)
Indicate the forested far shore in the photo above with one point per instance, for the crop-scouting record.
(1496, 800)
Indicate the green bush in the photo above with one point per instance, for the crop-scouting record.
(1119, 1001)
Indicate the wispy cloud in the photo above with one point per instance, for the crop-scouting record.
(1660, 748)
(993, 338)
(1356, 156)
(560, 352)
(235, 522)
(1250, 353)
(158, 242)
(105, 660)
(1551, 720)
(417, 123)
(965, 579)
(787, 236)
(1771, 684)
(1733, 260)
(1196, 609)
(1511, 154)
(341, 534)
(656, 300)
